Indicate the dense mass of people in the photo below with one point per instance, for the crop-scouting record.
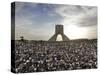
(40, 56)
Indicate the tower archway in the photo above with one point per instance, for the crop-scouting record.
(59, 30)
(59, 37)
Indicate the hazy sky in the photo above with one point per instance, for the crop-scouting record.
(36, 21)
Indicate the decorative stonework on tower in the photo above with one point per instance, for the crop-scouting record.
(59, 30)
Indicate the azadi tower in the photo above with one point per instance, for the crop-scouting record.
(59, 30)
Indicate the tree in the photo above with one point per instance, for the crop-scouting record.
(22, 38)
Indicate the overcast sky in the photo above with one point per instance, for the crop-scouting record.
(36, 21)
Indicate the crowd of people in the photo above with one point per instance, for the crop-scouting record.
(40, 56)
